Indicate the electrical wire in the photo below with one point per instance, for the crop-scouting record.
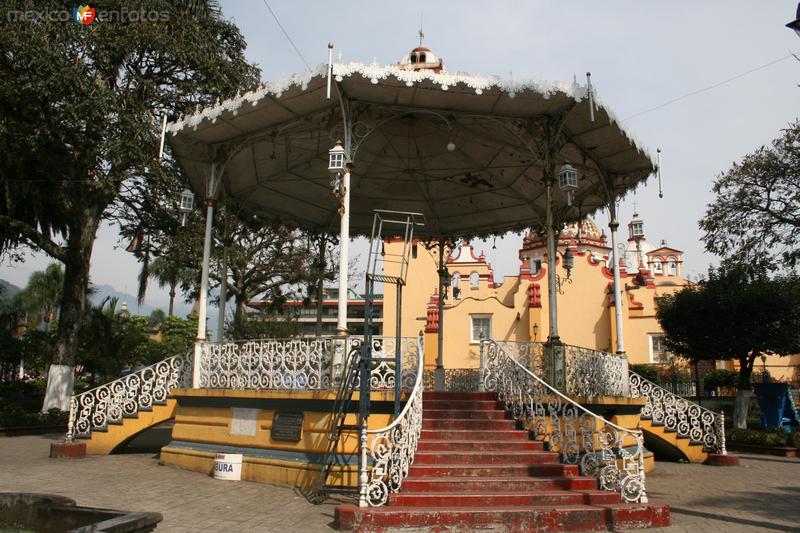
(286, 34)
(698, 91)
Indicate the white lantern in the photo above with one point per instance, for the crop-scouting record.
(568, 181)
(186, 205)
(336, 158)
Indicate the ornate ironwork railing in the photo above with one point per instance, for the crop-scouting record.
(455, 379)
(391, 450)
(589, 372)
(593, 373)
(126, 396)
(600, 448)
(680, 415)
(300, 363)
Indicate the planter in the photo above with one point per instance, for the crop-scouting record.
(772, 400)
(780, 451)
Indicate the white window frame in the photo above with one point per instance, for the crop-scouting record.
(651, 348)
(472, 317)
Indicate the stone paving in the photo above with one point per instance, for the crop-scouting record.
(763, 494)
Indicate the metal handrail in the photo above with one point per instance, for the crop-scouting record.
(392, 448)
(552, 415)
(679, 414)
(126, 396)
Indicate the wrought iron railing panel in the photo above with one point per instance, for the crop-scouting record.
(600, 448)
(680, 415)
(391, 450)
(126, 396)
(592, 373)
(302, 363)
(455, 379)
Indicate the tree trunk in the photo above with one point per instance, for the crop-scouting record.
(171, 298)
(60, 378)
(742, 405)
(239, 315)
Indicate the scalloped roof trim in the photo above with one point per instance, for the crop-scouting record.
(376, 73)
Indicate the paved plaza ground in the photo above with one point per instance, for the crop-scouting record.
(763, 494)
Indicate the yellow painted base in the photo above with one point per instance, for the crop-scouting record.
(104, 442)
(691, 452)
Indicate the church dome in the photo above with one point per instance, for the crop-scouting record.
(587, 230)
(421, 58)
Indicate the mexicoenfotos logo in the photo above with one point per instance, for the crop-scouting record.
(83, 14)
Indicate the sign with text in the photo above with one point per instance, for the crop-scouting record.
(287, 426)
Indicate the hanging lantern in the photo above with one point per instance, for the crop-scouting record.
(568, 181)
(186, 205)
(336, 158)
(569, 261)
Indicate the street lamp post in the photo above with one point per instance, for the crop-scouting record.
(444, 283)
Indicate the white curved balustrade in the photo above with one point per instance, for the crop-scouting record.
(611, 453)
(678, 414)
(126, 396)
(312, 363)
(391, 450)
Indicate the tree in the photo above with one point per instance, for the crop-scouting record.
(168, 271)
(40, 298)
(755, 218)
(80, 110)
(734, 313)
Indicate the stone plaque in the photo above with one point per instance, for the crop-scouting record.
(244, 421)
(287, 425)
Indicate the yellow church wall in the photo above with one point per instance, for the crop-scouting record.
(585, 309)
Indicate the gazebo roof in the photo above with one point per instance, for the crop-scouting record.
(273, 143)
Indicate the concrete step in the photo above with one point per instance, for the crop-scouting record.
(462, 405)
(480, 457)
(497, 483)
(472, 434)
(491, 470)
(472, 396)
(507, 518)
(488, 446)
(464, 413)
(468, 423)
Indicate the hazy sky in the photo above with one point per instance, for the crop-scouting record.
(642, 54)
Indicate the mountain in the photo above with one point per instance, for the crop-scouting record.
(102, 291)
(8, 290)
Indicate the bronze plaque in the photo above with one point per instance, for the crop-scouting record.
(287, 425)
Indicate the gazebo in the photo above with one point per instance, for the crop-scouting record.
(473, 155)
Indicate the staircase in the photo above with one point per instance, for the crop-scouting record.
(473, 470)
(677, 427)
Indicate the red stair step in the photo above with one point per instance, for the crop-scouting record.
(461, 413)
(463, 405)
(484, 499)
(444, 445)
(489, 483)
(463, 434)
(492, 470)
(468, 423)
(507, 518)
(485, 457)
(474, 396)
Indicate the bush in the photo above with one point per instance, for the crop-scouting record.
(794, 439)
(648, 372)
(760, 438)
(720, 378)
(15, 416)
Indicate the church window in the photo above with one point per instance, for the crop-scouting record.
(658, 349)
(657, 266)
(456, 290)
(536, 266)
(474, 280)
(481, 327)
(422, 57)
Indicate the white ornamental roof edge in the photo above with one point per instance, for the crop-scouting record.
(376, 74)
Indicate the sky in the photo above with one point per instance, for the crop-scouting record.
(642, 55)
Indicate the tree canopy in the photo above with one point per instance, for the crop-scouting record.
(80, 114)
(755, 218)
(733, 314)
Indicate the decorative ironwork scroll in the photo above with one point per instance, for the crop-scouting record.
(391, 450)
(109, 403)
(592, 373)
(604, 450)
(680, 415)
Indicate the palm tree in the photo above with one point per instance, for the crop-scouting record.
(167, 273)
(42, 295)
